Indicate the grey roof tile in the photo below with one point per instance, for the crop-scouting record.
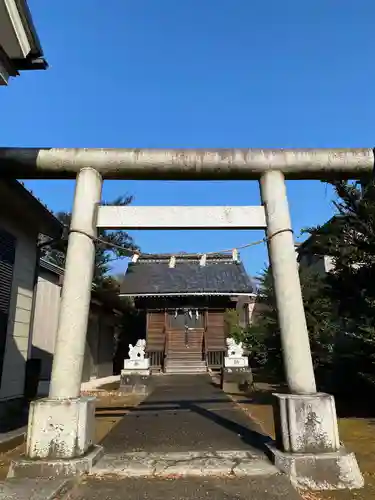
(152, 275)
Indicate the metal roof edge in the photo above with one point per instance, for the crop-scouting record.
(54, 224)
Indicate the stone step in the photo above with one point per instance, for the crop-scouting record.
(182, 361)
(181, 348)
(184, 370)
(192, 464)
(186, 353)
(185, 362)
(183, 344)
(193, 352)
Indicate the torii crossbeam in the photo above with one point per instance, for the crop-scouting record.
(186, 164)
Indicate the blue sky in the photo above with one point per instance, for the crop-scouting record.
(197, 73)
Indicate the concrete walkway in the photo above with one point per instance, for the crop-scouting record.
(185, 413)
(186, 441)
(186, 427)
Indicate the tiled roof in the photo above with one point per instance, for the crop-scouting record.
(151, 275)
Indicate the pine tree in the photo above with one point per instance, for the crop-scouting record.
(105, 253)
(321, 317)
(349, 238)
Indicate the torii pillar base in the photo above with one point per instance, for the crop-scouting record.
(60, 439)
(307, 446)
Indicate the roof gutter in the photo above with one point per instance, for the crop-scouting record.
(19, 38)
(30, 63)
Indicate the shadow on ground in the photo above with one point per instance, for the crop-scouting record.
(249, 436)
(355, 402)
(187, 416)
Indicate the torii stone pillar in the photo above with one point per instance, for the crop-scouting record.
(62, 426)
(307, 444)
(292, 322)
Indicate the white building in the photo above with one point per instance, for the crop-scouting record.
(20, 48)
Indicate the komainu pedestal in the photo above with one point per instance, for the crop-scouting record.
(307, 446)
(236, 375)
(136, 375)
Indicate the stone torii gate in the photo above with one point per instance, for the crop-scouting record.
(61, 427)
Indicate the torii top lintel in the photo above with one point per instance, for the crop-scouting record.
(186, 164)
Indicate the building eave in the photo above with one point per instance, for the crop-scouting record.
(190, 294)
(51, 226)
(53, 268)
(19, 39)
(7, 69)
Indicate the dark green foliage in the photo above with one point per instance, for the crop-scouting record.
(232, 325)
(340, 305)
(263, 336)
(105, 254)
(350, 239)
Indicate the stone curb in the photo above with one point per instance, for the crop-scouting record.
(184, 464)
(25, 468)
(12, 439)
(36, 489)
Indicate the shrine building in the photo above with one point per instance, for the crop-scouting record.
(184, 299)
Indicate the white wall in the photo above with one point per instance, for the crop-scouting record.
(46, 315)
(18, 331)
(99, 339)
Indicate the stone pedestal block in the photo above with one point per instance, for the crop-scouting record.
(234, 380)
(60, 439)
(306, 423)
(321, 471)
(307, 446)
(60, 428)
(137, 364)
(241, 361)
(136, 382)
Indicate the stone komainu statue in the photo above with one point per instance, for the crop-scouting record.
(235, 350)
(138, 350)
